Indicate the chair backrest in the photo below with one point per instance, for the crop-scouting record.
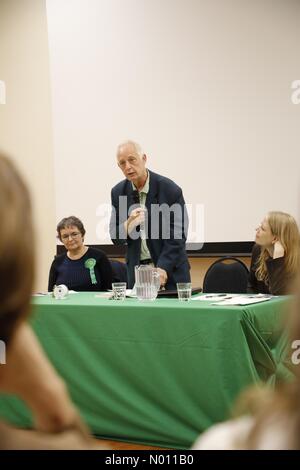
(228, 275)
(119, 271)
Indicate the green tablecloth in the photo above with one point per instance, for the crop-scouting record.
(155, 372)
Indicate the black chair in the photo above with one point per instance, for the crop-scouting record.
(119, 271)
(226, 275)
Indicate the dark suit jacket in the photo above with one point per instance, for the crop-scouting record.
(168, 254)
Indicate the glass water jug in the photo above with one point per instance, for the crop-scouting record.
(147, 282)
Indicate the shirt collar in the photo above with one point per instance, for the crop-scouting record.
(145, 188)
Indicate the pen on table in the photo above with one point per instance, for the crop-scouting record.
(215, 295)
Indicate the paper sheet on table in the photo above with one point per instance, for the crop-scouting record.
(244, 300)
(104, 295)
(42, 294)
(131, 293)
(212, 297)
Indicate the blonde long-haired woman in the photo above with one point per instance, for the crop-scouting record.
(275, 256)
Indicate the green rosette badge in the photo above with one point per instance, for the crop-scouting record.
(90, 264)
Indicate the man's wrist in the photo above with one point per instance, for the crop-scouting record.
(127, 226)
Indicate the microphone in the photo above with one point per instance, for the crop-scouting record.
(135, 197)
(136, 201)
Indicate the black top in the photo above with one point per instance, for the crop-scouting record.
(92, 272)
(279, 282)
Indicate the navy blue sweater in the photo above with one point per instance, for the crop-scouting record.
(77, 276)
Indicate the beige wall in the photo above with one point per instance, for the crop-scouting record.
(25, 120)
(203, 85)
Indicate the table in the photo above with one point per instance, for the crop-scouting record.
(156, 372)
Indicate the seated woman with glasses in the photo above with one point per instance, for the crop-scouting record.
(81, 268)
(275, 256)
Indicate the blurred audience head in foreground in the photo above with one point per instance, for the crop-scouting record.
(27, 372)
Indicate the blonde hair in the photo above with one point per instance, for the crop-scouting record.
(284, 227)
(16, 249)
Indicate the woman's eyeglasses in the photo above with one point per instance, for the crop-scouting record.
(72, 235)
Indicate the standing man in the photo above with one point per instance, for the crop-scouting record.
(150, 217)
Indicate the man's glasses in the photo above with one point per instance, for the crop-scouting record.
(72, 235)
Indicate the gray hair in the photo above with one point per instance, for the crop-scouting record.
(134, 144)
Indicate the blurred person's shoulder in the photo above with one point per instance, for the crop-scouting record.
(225, 436)
(243, 433)
(277, 433)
